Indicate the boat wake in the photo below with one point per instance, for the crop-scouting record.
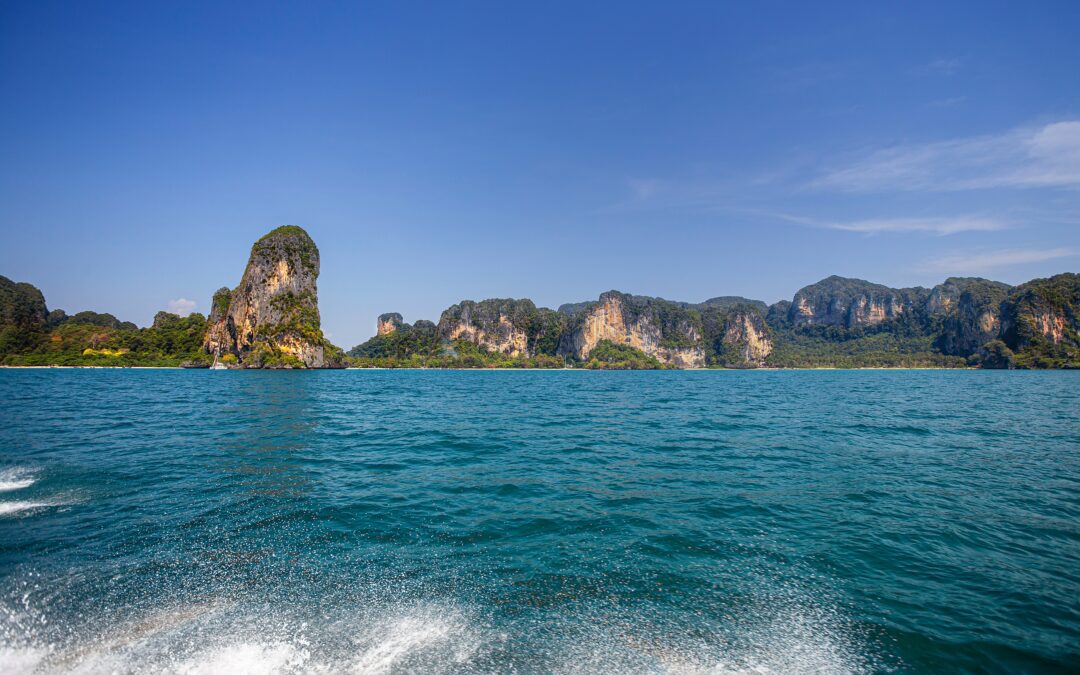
(432, 638)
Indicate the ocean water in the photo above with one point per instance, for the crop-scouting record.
(498, 521)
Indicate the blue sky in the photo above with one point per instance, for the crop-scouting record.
(546, 150)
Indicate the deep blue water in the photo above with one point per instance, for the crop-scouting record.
(424, 521)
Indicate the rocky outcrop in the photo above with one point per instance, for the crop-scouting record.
(666, 331)
(747, 336)
(271, 320)
(970, 313)
(851, 303)
(835, 322)
(498, 325)
(388, 323)
(1044, 314)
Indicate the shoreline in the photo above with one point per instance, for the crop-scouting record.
(563, 370)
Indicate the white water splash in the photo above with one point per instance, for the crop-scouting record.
(21, 661)
(247, 658)
(408, 636)
(11, 508)
(15, 479)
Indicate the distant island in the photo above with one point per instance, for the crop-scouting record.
(271, 320)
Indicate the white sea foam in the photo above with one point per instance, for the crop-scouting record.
(246, 658)
(12, 508)
(21, 661)
(236, 639)
(15, 479)
(411, 635)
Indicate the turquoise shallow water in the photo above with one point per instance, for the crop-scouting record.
(422, 521)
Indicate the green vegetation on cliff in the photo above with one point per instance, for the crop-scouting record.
(610, 356)
(286, 242)
(1041, 323)
(963, 322)
(395, 350)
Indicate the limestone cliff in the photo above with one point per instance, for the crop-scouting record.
(271, 320)
(851, 303)
(667, 331)
(970, 313)
(748, 336)
(388, 323)
(503, 326)
(1041, 318)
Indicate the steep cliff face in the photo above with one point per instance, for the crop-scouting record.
(970, 312)
(837, 301)
(1042, 318)
(665, 330)
(271, 320)
(497, 325)
(748, 337)
(388, 323)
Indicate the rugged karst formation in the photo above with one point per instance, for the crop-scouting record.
(722, 331)
(836, 321)
(748, 335)
(666, 331)
(970, 312)
(837, 301)
(388, 323)
(271, 320)
(504, 326)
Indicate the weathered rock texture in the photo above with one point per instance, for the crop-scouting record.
(271, 320)
(664, 330)
(497, 325)
(837, 301)
(837, 321)
(748, 335)
(388, 323)
(970, 313)
(1043, 314)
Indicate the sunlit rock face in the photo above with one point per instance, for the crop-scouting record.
(748, 334)
(664, 330)
(271, 319)
(388, 323)
(498, 325)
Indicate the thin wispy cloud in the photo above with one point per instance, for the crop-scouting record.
(985, 262)
(182, 306)
(1031, 157)
(936, 226)
(939, 226)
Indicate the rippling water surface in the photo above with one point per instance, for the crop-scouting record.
(421, 521)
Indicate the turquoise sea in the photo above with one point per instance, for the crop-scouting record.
(500, 521)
